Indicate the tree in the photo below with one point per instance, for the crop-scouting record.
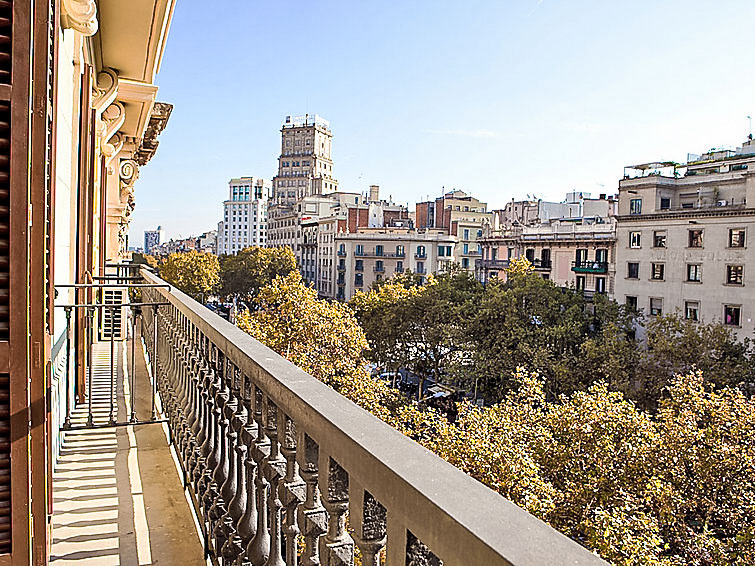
(678, 346)
(244, 274)
(196, 274)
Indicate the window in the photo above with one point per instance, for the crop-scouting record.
(379, 265)
(633, 270)
(692, 310)
(734, 274)
(420, 251)
(581, 256)
(420, 267)
(694, 272)
(358, 279)
(601, 255)
(378, 250)
(465, 263)
(665, 203)
(466, 233)
(359, 265)
(399, 267)
(479, 233)
(732, 315)
(359, 250)
(696, 238)
(659, 239)
(657, 272)
(631, 302)
(635, 240)
(466, 248)
(399, 251)
(736, 238)
(635, 206)
(580, 283)
(529, 253)
(600, 284)
(656, 306)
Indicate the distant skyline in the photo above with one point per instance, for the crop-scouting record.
(499, 99)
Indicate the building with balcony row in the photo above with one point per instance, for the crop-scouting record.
(576, 250)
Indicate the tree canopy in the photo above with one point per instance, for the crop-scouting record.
(196, 274)
(248, 271)
(675, 487)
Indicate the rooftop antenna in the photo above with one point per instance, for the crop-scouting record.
(749, 136)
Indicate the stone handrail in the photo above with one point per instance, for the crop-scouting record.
(272, 457)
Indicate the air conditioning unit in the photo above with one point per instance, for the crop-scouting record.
(113, 319)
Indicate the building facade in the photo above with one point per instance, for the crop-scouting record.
(305, 169)
(245, 213)
(461, 215)
(153, 238)
(374, 254)
(683, 238)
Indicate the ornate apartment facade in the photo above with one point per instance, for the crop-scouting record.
(683, 238)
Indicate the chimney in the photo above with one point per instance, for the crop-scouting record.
(374, 193)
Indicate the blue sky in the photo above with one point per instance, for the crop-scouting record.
(499, 98)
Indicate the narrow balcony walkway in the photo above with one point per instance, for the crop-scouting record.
(117, 495)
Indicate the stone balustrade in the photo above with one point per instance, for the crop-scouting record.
(282, 470)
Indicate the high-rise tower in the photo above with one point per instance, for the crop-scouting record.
(305, 169)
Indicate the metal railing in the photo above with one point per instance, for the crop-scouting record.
(94, 312)
(588, 266)
(276, 464)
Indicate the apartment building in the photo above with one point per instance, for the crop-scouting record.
(576, 250)
(683, 238)
(305, 169)
(461, 215)
(245, 213)
(374, 254)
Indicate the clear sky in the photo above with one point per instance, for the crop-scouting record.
(500, 98)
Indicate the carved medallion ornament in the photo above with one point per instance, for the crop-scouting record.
(79, 15)
(128, 172)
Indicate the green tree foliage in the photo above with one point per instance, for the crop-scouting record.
(196, 274)
(244, 274)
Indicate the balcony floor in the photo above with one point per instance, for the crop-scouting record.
(117, 495)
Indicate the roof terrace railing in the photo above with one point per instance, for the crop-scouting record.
(271, 455)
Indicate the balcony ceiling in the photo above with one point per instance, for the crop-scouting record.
(131, 40)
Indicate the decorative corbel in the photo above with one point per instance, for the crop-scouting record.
(79, 15)
(106, 89)
(111, 121)
(112, 147)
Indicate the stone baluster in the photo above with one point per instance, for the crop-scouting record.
(336, 547)
(368, 519)
(225, 529)
(313, 519)
(275, 471)
(247, 525)
(259, 547)
(294, 492)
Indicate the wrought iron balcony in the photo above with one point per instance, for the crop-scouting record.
(589, 266)
(276, 464)
(341, 253)
(420, 255)
(491, 263)
(379, 268)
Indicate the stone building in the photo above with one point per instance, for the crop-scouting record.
(683, 235)
(245, 212)
(305, 169)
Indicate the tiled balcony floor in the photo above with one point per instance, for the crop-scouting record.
(117, 496)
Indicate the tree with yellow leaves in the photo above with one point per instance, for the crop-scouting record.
(195, 273)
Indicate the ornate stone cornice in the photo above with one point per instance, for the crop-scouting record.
(157, 121)
(79, 15)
